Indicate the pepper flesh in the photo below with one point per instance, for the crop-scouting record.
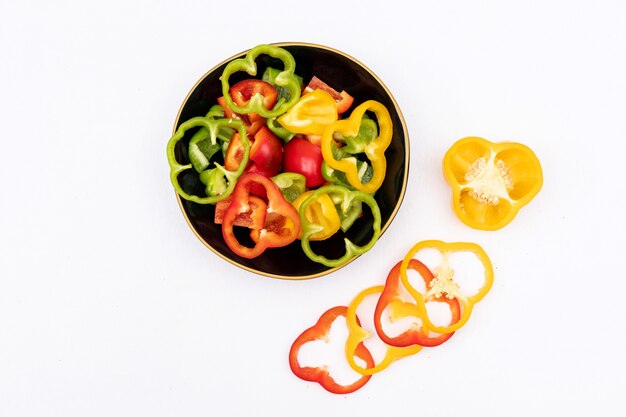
(399, 307)
(277, 206)
(346, 200)
(322, 212)
(491, 181)
(357, 335)
(321, 375)
(213, 128)
(285, 79)
(444, 284)
(374, 150)
(311, 115)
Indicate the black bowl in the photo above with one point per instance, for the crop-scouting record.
(342, 72)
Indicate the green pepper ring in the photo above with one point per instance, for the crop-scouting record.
(212, 126)
(286, 79)
(348, 196)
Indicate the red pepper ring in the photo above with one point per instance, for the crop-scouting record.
(277, 206)
(391, 298)
(320, 375)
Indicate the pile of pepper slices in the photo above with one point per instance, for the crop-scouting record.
(435, 262)
(340, 163)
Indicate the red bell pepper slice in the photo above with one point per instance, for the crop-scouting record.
(266, 152)
(321, 375)
(266, 155)
(393, 298)
(243, 91)
(254, 218)
(277, 206)
(343, 99)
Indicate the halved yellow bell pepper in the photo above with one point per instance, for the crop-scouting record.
(374, 150)
(311, 114)
(436, 255)
(491, 181)
(322, 213)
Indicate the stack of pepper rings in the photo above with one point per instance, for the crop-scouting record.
(457, 274)
(249, 190)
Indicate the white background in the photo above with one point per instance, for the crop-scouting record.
(109, 305)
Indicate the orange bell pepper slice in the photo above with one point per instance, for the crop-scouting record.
(491, 181)
(442, 259)
(393, 302)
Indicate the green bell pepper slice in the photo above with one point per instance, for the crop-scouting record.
(286, 79)
(347, 200)
(269, 76)
(201, 148)
(337, 177)
(219, 181)
(291, 184)
(285, 134)
(367, 133)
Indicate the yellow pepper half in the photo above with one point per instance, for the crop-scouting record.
(374, 150)
(491, 181)
(321, 212)
(440, 258)
(357, 335)
(311, 114)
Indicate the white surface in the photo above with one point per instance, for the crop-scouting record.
(109, 306)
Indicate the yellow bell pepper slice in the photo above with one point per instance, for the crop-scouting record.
(357, 335)
(375, 150)
(491, 181)
(321, 212)
(311, 114)
(455, 267)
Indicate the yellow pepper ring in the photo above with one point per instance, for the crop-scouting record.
(357, 335)
(375, 150)
(467, 303)
(321, 212)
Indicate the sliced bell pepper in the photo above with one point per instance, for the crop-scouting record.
(201, 148)
(345, 200)
(254, 218)
(291, 184)
(269, 76)
(279, 130)
(277, 206)
(251, 127)
(397, 305)
(321, 375)
(336, 177)
(357, 335)
(491, 181)
(343, 100)
(220, 182)
(321, 212)
(311, 114)
(444, 286)
(285, 79)
(243, 91)
(374, 150)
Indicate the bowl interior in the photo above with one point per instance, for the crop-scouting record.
(342, 73)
